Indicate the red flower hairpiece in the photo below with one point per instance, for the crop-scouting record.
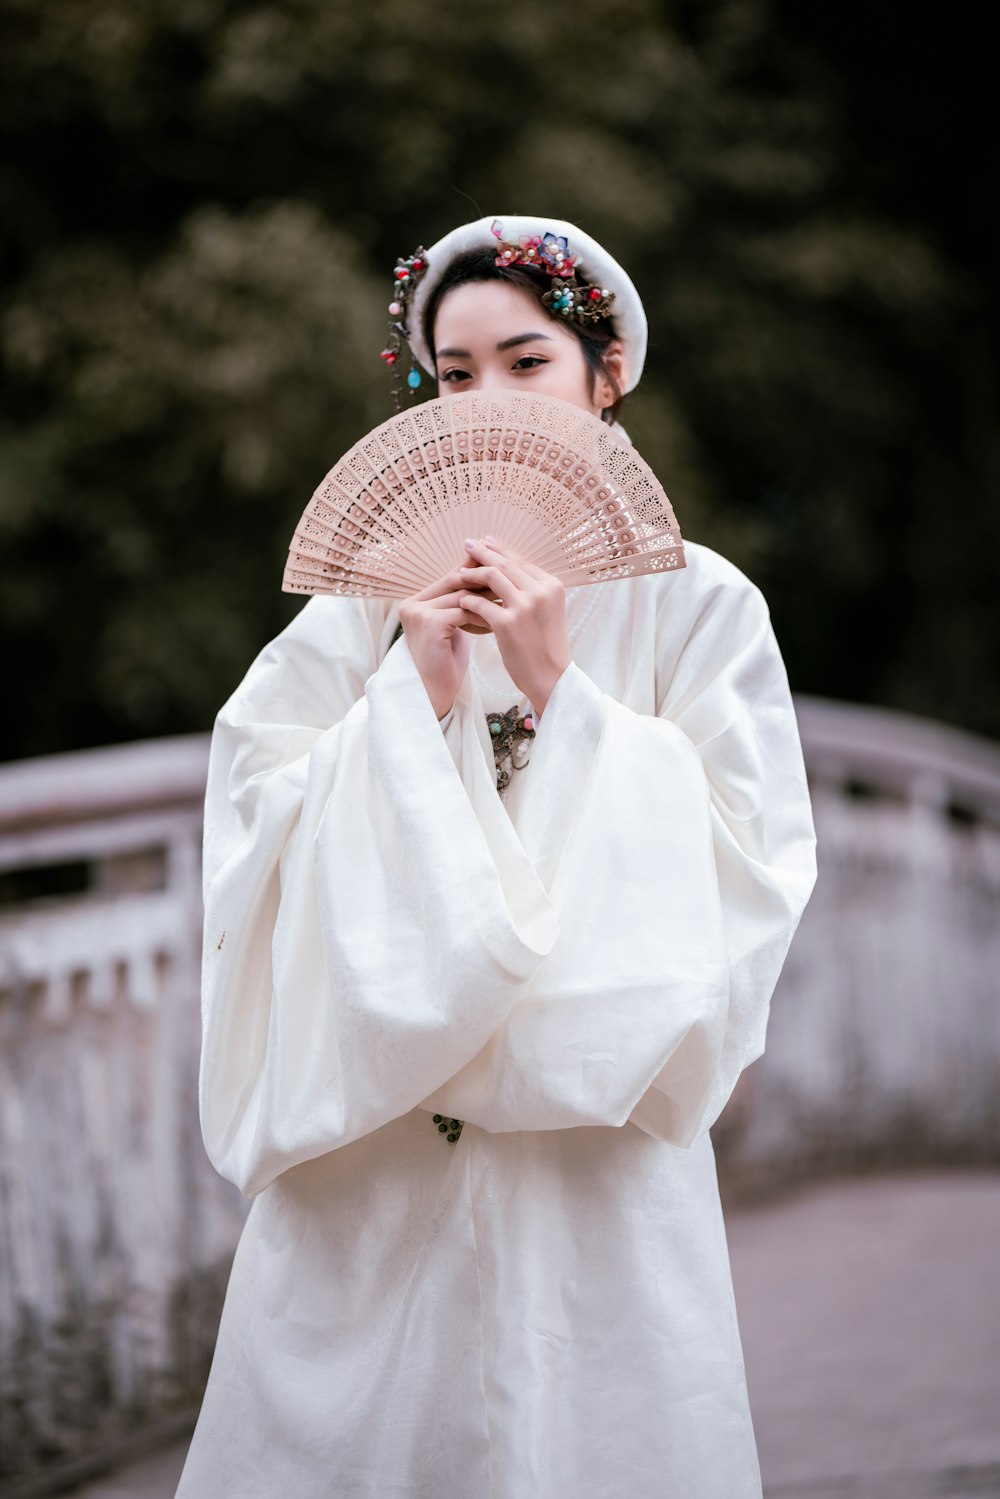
(568, 296)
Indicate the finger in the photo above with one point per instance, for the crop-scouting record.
(447, 612)
(453, 618)
(492, 578)
(445, 600)
(518, 568)
(483, 609)
(503, 549)
(456, 618)
(464, 620)
(446, 584)
(441, 600)
(530, 567)
(513, 569)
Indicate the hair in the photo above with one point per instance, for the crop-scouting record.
(480, 265)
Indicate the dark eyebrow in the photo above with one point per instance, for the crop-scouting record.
(508, 343)
(523, 338)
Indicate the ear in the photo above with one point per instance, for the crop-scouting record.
(614, 360)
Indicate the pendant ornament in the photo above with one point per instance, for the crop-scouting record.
(511, 733)
(452, 1128)
(408, 273)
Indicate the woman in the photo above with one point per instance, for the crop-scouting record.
(464, 1051)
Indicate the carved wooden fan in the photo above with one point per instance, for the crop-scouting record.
(543, 476)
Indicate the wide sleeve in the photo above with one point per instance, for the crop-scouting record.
(369, 920)
(679, 852)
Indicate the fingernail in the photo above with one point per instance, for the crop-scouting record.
(491, 541)
(470, 542)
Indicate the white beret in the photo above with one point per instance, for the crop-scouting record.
(596, 268)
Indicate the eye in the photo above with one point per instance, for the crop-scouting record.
(529, 361)
(453, 377)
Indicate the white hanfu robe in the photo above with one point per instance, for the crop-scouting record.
(542, 1309)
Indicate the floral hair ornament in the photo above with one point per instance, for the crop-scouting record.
(407, 276)
(568, 296)
(519, 231)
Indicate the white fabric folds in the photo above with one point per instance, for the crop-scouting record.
(580, 976)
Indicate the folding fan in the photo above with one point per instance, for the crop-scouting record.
(543, 476)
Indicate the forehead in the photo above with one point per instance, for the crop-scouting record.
(485, 312)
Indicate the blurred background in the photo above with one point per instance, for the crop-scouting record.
(200, 207)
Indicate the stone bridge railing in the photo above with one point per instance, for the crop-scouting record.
(115, 1234)
(883, 1044)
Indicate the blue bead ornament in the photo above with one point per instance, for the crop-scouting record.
(413, 379)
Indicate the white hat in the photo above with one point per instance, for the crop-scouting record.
(595, 267)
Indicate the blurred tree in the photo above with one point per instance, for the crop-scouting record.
(200, 213)
(178, 404)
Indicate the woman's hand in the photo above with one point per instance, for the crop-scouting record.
(434, 624)
(527, 616)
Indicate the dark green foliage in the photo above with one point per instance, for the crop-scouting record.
(200, 212)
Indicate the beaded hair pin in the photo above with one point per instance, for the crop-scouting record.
(407, 275)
